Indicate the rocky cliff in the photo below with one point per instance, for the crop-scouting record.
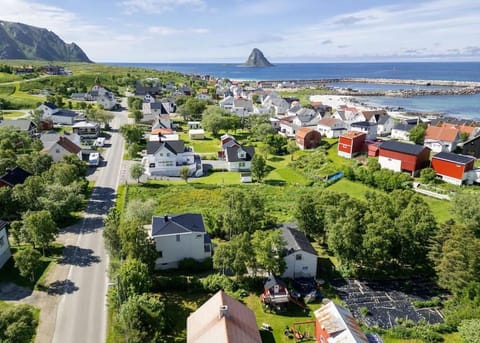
(256, 59)
(20, 41)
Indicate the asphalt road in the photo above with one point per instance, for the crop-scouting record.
(81, 314)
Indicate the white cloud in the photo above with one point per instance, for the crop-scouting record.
(160, 6)
(170, 31)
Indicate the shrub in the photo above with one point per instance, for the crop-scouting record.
(193, 266)
(215, 282)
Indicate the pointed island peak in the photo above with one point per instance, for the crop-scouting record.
(257, 59)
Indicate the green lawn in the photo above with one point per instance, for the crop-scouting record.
(11, 114)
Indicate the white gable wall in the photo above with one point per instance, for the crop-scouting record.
(300, 264)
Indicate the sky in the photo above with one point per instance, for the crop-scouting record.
(176, 31)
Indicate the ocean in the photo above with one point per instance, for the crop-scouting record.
(459, 106)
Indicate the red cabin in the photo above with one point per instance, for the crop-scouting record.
(398, 156)
(350, 143)
(308, 138)
(451, 167)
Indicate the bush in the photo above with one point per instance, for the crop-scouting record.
(176, 283)
(193, 266)
(434, 302)
(215, 282)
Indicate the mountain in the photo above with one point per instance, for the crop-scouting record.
(256, 59)
(24, 42)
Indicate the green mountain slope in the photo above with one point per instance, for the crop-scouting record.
(20, 41)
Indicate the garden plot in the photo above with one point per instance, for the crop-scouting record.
(383, 304)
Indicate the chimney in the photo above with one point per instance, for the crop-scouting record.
(165, 218)
(224, 312)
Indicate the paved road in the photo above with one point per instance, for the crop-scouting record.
(81, 314)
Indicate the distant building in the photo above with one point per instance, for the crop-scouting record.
(452, 168)
(350, 143)
(308, 138)
(398, 156)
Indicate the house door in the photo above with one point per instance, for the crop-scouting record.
(276, 289)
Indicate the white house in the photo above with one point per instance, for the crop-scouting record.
(86, 129)
(227, 102)
(149, 98)
(5, 252)
(280, 106)
(178, 237)
(47, 108)
(301, 257)
(239, 158)
(58, 146)
(401, 131)
(57, 115)
(442, 138)
(166, 158)
(331, 127)
(242, 107)
(365, 126)
(348, 115)
(384, 122)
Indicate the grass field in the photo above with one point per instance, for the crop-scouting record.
(11, 114)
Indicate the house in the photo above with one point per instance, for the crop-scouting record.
(441, 138)
(48, 109)
(286, 126)
(400, 131)
(300, 256)
(348, 115)
(306, 117)
(275, 122)
(239, 157)
(398, 156)
(13, 177)
(162, 122)
(5, 252)
(336, 324)
(227, 102)
(163, 135)
(369, 128)
(178, 237)
(279, 105)
(242, 107)
(468, 130)
(222, 319)
(227, 141)
(452, 168)
(58, 146)
(384, 122)
(350, 143)
(154, 108)
(149, 98)
(275, 291)
(166, 158)
(19, 125)
(471, 147)
(331, 127)
(86, 129)
(308, 138)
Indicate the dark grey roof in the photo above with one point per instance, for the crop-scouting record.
(296, 240)
(176, 224)
(403, 127)
(176, 147)
(3, 224)
(50, 105)
(66, 113)
(405, 148)
(363, 124)
(15, 176)
(382, 118)
(448, 156)
(232, 153)
(20, 124)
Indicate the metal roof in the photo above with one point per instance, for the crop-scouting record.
(451, 157)
(177, 224)
(405, 148)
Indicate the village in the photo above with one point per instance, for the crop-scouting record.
(213, 182)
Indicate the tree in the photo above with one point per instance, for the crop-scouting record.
(268, 247)
(136, 171)
(131, 133)
(192, 108)
(259, 167)
(308, 218)
(101, 116)
(136, 244)
(215, 119)
(134, 278)
(142, 319)
(469, 330)
(235, 255)
(140, 211)
(111, 232)
(427, 175)
(261, 130)
(27, 260)
(373, 165)
(185, 173)
(417, 134)
(17, 324)
(466, 208)
(35, 162)
(137, 116)
(133, 150)
(292, 147)
(39, 228)
(276, 142)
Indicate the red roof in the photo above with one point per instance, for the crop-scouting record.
(461, 128)
(68, 145)
(161, 131)
(447, 134)
(303, 132)
(353, 134)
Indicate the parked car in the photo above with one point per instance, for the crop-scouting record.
(94, 159)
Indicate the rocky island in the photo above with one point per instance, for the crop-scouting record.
(257, 59)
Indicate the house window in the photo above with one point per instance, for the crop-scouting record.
(178, 238)
(206, 247)
(160, 254)
(161, 154)
(199, 236)
(241, 164)
(151, 165)
(168, 154)
(57, 151)
(298, 257)
(305, 268)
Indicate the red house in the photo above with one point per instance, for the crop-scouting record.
(335, 324)
(307, 138)
(350, 143)
(451, 167)
(398, 156)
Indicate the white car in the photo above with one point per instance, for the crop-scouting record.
(94, 159)
(100, 141)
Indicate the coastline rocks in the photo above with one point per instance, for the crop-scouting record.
(257, 59)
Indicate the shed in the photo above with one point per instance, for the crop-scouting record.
(452, 168)
(399, 156)
(350, 143)
(308, 138)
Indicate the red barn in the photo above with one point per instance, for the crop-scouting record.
(335, 324)
(308, 138)
(350, 143)
(451, 167)
(398, 156)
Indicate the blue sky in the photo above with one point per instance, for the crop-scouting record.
(285, 30)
